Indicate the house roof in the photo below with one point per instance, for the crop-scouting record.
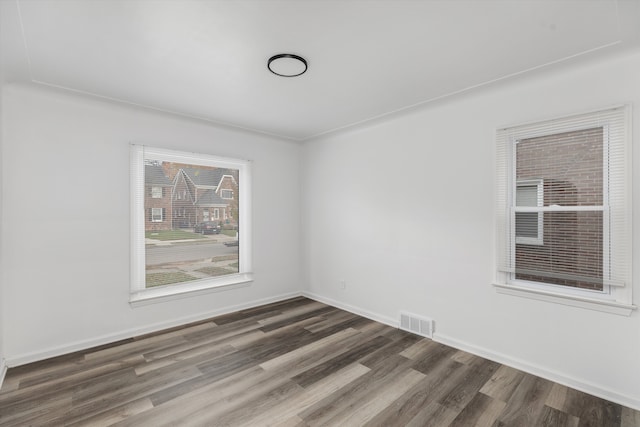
(208, 198)
(206, 176)
(154, 175)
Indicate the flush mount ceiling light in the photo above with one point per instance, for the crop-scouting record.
(287, 65)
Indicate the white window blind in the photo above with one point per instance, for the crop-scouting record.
(568, 180)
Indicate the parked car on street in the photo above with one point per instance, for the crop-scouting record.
(207, 227)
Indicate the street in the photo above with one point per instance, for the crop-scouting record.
(186, 252)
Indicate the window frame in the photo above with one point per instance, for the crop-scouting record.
(139, 294)
(156, 192)
(154, 215)
(225, 190)
(612, 299)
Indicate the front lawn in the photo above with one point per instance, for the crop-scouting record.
(216, 271)
(172, 235)
(160, 279)
(224, 258)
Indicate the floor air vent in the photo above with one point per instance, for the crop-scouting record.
(416, 324)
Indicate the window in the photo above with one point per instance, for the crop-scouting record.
(156, 192)
(226, 194)
(196, 261)
(529, 225)
(156, 214)
(564, 211)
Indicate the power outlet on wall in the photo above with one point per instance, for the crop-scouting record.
(343, 284)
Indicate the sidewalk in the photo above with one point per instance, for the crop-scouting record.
(208, 238)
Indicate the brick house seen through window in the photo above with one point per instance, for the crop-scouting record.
(198, 194)
(157, 198)
(560, 247)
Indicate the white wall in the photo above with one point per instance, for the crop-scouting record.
(3, 368)
(5, 23)
(403, 210)
(66, 220)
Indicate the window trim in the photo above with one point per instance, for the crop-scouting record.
(613, 299)
(582, 301)
(155, 189)
(222, 192)
(139, 294)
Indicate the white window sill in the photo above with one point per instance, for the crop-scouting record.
(189, 289)
(607, 306)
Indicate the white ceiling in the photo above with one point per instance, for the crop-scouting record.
(208, 59)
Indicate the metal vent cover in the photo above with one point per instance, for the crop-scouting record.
(417, 324)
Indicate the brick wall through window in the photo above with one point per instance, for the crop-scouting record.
(570, 166)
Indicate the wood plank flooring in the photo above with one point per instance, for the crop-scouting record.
(292, 363)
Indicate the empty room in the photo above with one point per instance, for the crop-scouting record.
(320, 213)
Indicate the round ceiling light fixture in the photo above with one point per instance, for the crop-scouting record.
(287, 65)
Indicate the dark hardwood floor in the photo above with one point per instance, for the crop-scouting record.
(292, 363)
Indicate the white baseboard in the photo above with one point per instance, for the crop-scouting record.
(352, 309)
(540, 371)
(23, 359)
(522, 365)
